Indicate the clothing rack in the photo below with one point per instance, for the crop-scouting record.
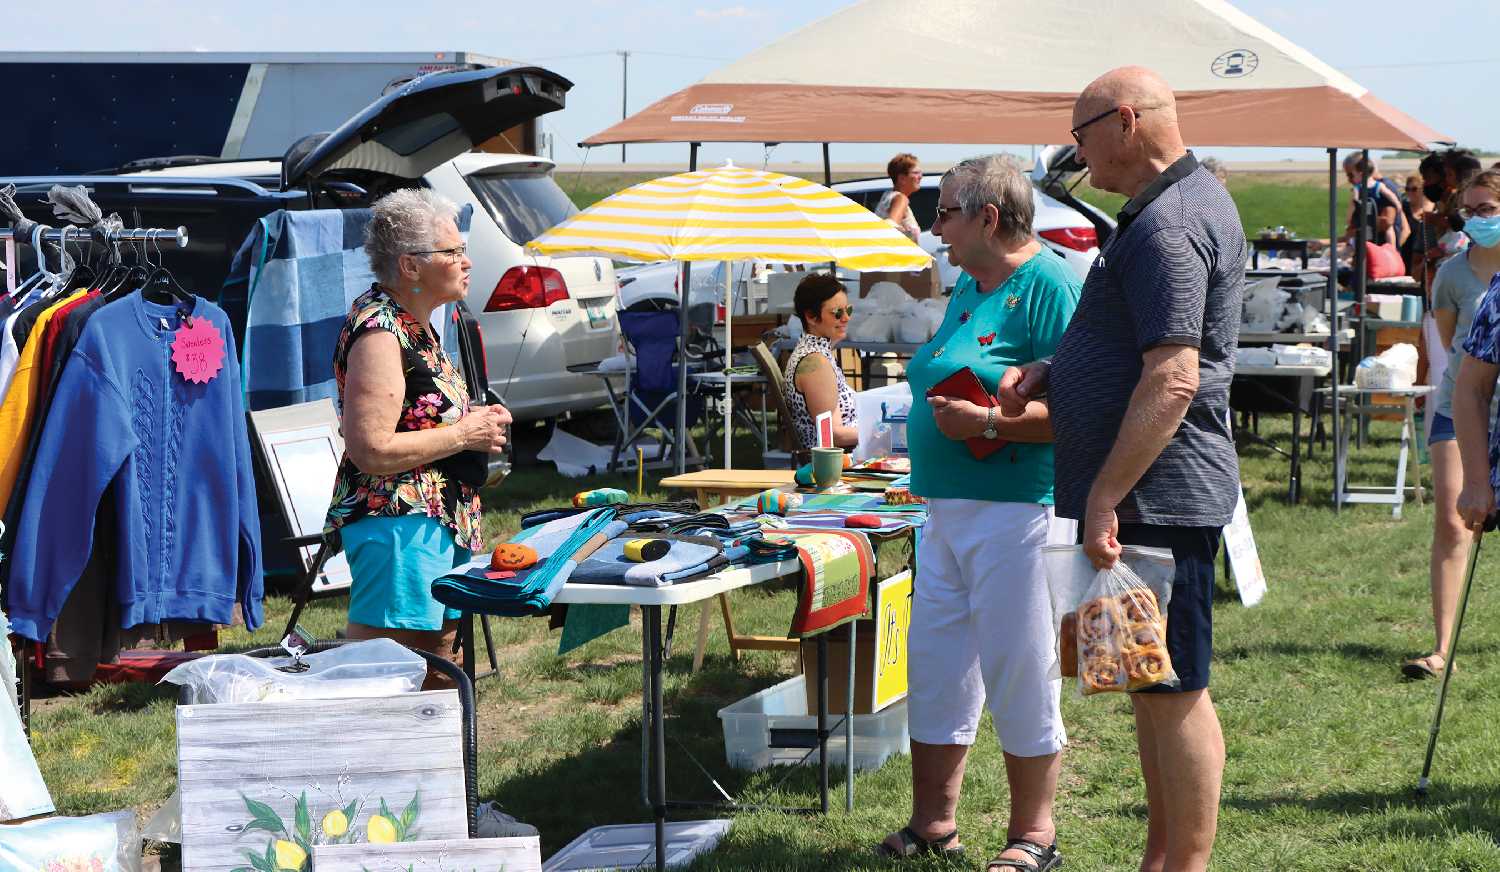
(178, 235)
(61, 236)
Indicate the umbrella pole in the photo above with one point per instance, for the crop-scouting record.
(682, 335)
(728, 358)
(827, 168)
(1333, 320)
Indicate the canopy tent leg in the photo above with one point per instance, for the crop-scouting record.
(1333, 316)
(1362, 208)
(682, 334)
(728, 359)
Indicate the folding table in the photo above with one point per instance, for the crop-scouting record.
(1364, 401)
(653, 656)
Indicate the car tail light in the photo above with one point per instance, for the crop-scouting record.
(527, 287)
(1076, 238)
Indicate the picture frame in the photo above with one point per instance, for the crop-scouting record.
(301, 447)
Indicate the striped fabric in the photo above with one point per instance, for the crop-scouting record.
(731, 213)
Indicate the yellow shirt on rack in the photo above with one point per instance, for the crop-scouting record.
(19, 405)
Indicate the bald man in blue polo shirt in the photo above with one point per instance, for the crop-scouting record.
(1139, 395)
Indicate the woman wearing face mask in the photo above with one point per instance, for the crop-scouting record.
(1468, 319)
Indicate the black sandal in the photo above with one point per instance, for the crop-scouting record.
(913, 845)
(1044, 858)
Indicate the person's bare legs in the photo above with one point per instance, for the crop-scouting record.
(1182, 759)
(937, 777)
(439, 642)
(1450, 542)
(1033, 787)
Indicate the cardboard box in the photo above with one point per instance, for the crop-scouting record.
(880, 678)
(920, 285)
(838, 669)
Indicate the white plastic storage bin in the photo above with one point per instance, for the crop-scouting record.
(748, 724)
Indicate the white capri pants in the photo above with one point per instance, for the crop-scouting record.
(981, 628)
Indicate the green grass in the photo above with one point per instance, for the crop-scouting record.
(1298, 201)
(1324, 741)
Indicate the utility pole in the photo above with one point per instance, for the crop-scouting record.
(624, 90)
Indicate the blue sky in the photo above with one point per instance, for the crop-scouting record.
(1433, 66)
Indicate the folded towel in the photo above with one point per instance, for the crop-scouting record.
(609, 565)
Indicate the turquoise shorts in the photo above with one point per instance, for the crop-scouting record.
(394, 562)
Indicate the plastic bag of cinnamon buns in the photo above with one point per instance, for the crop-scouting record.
(1111, 625)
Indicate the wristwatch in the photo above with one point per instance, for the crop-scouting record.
(989, 424)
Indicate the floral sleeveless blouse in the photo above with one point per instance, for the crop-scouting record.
(436, 396)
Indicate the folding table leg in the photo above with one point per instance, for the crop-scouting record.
(652, 618)
(849, 721)
(705, 615)
(1401, 467)
(823, 721)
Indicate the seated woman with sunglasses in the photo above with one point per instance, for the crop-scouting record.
(814, 381)
(405, 506)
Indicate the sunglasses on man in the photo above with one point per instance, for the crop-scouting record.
(1077, 138)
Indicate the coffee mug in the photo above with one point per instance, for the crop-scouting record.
(828, 467)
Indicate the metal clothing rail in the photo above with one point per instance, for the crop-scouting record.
(179, 235)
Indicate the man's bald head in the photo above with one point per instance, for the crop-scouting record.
(1125, 124)
(1130, 86)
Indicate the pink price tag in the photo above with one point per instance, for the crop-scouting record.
(498, 574)
(198, 350)
(825, 430)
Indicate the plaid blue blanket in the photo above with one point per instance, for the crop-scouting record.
(289, 289)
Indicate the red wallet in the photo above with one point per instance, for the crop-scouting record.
(965, 385)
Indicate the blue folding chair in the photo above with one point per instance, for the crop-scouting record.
(652, 398)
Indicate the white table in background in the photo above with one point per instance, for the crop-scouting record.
(1357, 401)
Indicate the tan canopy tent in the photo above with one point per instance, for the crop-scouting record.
(1007, 71)
(993, 71)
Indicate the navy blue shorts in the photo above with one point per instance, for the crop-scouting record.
(1190, 615)
(1442, 429)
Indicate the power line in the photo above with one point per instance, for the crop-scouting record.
(661, 54)
(1423, 64)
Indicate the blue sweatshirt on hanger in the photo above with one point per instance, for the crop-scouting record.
(173, 457)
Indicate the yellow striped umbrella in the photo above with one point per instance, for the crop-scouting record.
(731, 213)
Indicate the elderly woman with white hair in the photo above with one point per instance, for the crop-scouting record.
(405, 509)
(981, 617)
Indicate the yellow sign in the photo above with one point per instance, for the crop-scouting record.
(892, 622)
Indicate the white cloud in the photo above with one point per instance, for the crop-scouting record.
(726, 12)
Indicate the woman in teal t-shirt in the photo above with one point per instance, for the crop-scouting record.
(981, 625)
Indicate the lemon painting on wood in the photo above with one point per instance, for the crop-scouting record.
(265, 785)
(289, 848)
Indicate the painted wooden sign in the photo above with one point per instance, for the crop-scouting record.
(263, 784)
(451, 855)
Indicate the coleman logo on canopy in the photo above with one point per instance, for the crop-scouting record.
(1235, 64)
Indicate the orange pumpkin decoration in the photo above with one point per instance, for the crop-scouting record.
(512, 556)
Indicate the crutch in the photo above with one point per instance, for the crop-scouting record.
(1458, 623)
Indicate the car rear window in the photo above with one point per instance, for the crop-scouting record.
(525, 205)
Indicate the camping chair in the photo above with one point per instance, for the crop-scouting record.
(652, 399)
(794, 454)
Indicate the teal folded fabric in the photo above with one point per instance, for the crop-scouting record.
(530, 591)
(588, 621)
